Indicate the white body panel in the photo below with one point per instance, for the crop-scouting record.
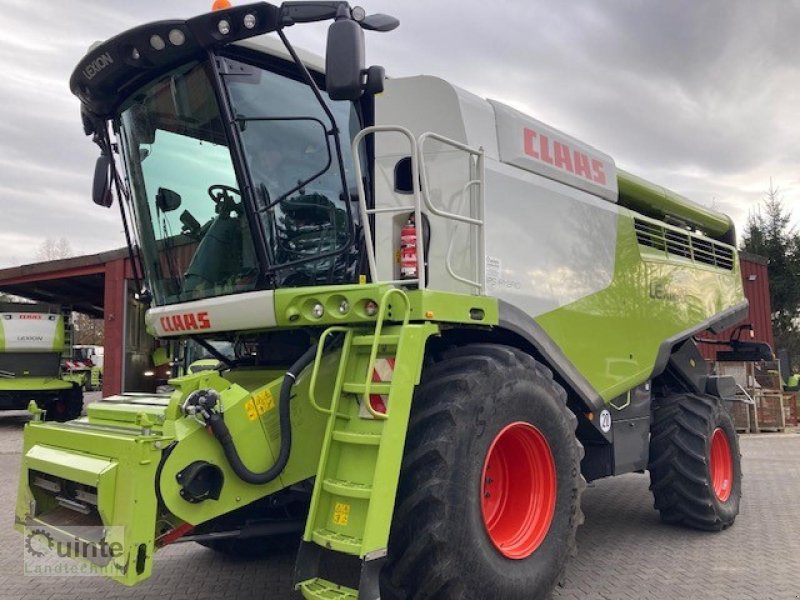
(547, 244)
(29, 331)
(549, 241)
(530, 144)
(237, 312)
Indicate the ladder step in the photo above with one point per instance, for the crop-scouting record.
(351, 437)
(369, 340)
(361, 388)
(322, 589)
(337, 541)
(350, 489)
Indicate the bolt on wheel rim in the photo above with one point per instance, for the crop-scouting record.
(518, 490)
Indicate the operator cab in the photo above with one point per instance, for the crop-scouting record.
(238, 174)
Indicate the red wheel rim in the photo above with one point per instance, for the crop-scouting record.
(518, 490)
(721, 465)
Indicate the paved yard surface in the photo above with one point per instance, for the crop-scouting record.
(624, 551)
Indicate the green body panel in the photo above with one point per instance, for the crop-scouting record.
(121, 467)
(613, 337)
(33, 384)
(204, 364)
(293, 306)
(656, 201)
(79, 377)
(95, 377)
(59, 341)
(250, 409)
(447, 307)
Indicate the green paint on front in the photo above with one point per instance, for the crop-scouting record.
(33, 384)
(81, 378)
(613, 336)
(347, 305)
(119, 470)
(59, 339)
(249, 399)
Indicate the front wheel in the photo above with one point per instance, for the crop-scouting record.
(67, 406)
(489, 495)
(695, 465)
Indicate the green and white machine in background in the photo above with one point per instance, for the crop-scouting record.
(31, 342)
(83, 364)
(453, 316)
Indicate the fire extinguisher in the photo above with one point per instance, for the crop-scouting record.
(408, 249)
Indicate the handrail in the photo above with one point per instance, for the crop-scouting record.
(419, 178)
(366, 212)
(448, 257)
(312, 384)
(477, 182)
(373, 354)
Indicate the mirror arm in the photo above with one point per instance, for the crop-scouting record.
(141, 293)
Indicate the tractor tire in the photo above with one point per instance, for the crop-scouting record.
(695, 465)
(488, 500)
(67, 406)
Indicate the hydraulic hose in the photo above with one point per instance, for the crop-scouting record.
(221, 432)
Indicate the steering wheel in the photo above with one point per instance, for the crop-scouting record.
(220, 193)
(222, 198)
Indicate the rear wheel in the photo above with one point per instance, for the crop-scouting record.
(489, 494)
(695, 465)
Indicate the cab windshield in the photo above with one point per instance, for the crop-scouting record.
(198, 235)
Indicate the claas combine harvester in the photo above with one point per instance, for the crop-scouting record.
(446, 315)
(33, 338)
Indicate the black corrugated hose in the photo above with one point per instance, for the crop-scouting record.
(221, 432)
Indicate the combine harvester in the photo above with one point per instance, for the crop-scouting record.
(32, 338)
(454, 316)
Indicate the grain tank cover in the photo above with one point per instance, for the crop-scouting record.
(30, 328)
(529, 144)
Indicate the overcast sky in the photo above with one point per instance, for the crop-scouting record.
(701, 96)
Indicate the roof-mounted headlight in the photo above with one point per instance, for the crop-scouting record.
(177, 37)
(157, 42)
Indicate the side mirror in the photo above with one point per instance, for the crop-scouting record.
(101, 188)
(344, 60)
(379, 22)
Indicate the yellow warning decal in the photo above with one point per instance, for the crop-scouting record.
(250, 409)
(341, 513)
(264, 401)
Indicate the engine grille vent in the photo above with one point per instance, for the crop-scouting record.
(683, 244)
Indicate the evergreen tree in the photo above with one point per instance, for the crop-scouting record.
(769, 234)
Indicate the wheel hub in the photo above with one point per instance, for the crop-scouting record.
(721, 465)
(518, 490)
